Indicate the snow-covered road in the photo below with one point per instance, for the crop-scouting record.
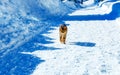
(92, 48)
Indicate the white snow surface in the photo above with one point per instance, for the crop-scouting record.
(102, 8)
(72, 59)
(88, 2)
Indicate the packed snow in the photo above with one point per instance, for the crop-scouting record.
(29, 37)
(92, 48)
(94, 53)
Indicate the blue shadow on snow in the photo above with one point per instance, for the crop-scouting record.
(85, 44)
(16, 63)
(115, 13)
(13, 62)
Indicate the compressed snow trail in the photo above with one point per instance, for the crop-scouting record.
(92, 48)
(77, 59)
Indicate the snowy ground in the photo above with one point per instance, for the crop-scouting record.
(92, 48)
(29, 40)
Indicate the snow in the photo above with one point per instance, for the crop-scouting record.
(92, 48)
(29, 38)
(101, 9)
(75, 59)
(88, 3)
(20, 19)
(117, 21)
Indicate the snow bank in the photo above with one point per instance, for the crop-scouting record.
(43, 9)
(101, 9)
(20, 19)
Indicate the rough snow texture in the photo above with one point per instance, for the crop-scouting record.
(92, 48)
(19, 20)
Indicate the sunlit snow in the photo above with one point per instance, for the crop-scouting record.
(29, 37)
